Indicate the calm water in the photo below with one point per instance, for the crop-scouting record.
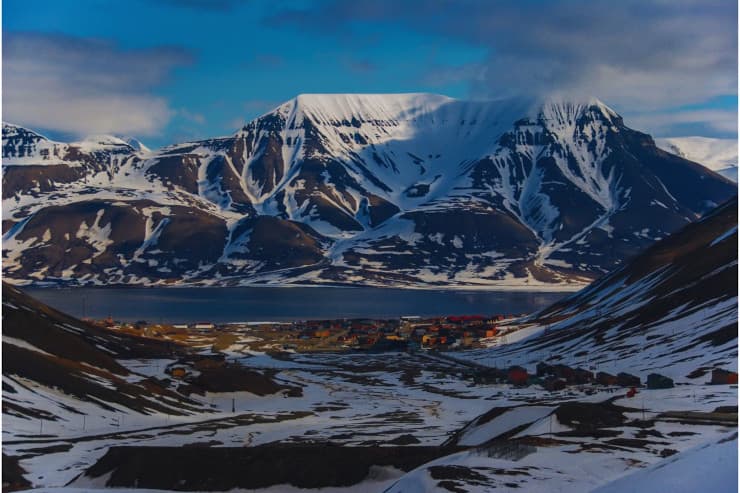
(275, 304)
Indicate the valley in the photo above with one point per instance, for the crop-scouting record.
(333, 246)
(578, 396)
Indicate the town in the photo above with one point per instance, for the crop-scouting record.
(408, 333)
(218, 348)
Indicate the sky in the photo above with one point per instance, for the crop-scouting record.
(169, 71)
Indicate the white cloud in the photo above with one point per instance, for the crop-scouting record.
(681, 123)
(636, 55)
(82, 86)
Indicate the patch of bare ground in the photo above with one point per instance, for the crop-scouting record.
(13, 479)
(226, 468)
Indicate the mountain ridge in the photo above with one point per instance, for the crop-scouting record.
(407, 190)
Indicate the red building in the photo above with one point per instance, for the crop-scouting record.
(723, 377)
(517, 375)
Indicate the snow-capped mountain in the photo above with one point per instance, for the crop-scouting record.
(719, 155)
(405, 189)
(136, 144)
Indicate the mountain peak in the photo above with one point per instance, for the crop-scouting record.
(104, 139)
(363, 99)
(363, 107)
(136, 144)
(394, 107)
(11, 130)
(562, 107)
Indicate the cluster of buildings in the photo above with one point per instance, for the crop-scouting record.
(555, 377)
(405, 333)
(409, 333)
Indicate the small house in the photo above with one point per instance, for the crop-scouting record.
(517, 375)
(723, 377)
(603, 378)
(657, 381)
(582, 376)
(627, 380)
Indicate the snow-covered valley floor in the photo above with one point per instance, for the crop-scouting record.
(534, 442)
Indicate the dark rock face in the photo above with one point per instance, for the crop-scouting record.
(393, 189)
(35, 180)
(276, 243)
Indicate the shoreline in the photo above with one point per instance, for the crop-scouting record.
(506, 288)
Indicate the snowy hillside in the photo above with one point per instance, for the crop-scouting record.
(673, 309)
(707, 467)
(45, 351)
(404, 189)
(91, 409)
(719, 155)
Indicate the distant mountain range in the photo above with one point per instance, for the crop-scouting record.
(403, 190)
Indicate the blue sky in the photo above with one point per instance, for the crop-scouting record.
(174, 70)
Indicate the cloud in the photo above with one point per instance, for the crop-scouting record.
(632, 53)
(81, 86)
(190, 116)
(685, 123)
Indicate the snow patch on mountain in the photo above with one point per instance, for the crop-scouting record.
(401, 189)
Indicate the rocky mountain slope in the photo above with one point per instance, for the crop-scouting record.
(719, 155)
(673, 310)
(55, 365)
(407, 189)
